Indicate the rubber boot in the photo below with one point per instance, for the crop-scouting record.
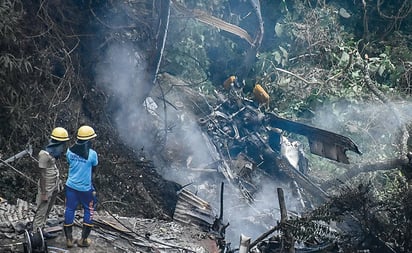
(84, 241)
(68, 231)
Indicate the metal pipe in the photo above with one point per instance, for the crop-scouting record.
(19, 155)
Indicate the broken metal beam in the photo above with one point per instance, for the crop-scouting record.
(322, 142)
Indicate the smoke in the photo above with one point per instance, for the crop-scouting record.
(180, 150)
(374, 127)
(255, 219)
(122, 72)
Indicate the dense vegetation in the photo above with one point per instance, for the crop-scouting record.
(345, 63)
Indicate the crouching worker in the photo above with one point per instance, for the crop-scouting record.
(49, 183)
(79, 189)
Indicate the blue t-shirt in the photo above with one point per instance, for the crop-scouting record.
(80, 170)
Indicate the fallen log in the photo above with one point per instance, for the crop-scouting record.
(316, 192)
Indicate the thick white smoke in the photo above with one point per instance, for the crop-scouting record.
(375, 127)
(122, 73)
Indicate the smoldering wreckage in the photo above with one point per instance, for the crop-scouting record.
(246, 145)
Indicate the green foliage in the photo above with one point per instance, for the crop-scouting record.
(188, 58)
(389, 185)
(202, 56)
(381, 66)
(316, 68)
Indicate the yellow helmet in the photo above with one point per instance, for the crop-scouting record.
(85, 133)
(59, 134)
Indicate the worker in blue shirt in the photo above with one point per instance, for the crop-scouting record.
(79, 188)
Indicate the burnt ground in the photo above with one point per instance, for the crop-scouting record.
(111, 233)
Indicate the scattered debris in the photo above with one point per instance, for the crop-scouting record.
(111, 233)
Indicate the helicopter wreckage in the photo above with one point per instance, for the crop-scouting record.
(243, 140)
(241, 136)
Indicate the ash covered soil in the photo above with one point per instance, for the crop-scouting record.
(111, 233)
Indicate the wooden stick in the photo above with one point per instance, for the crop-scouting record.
(290, 242)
